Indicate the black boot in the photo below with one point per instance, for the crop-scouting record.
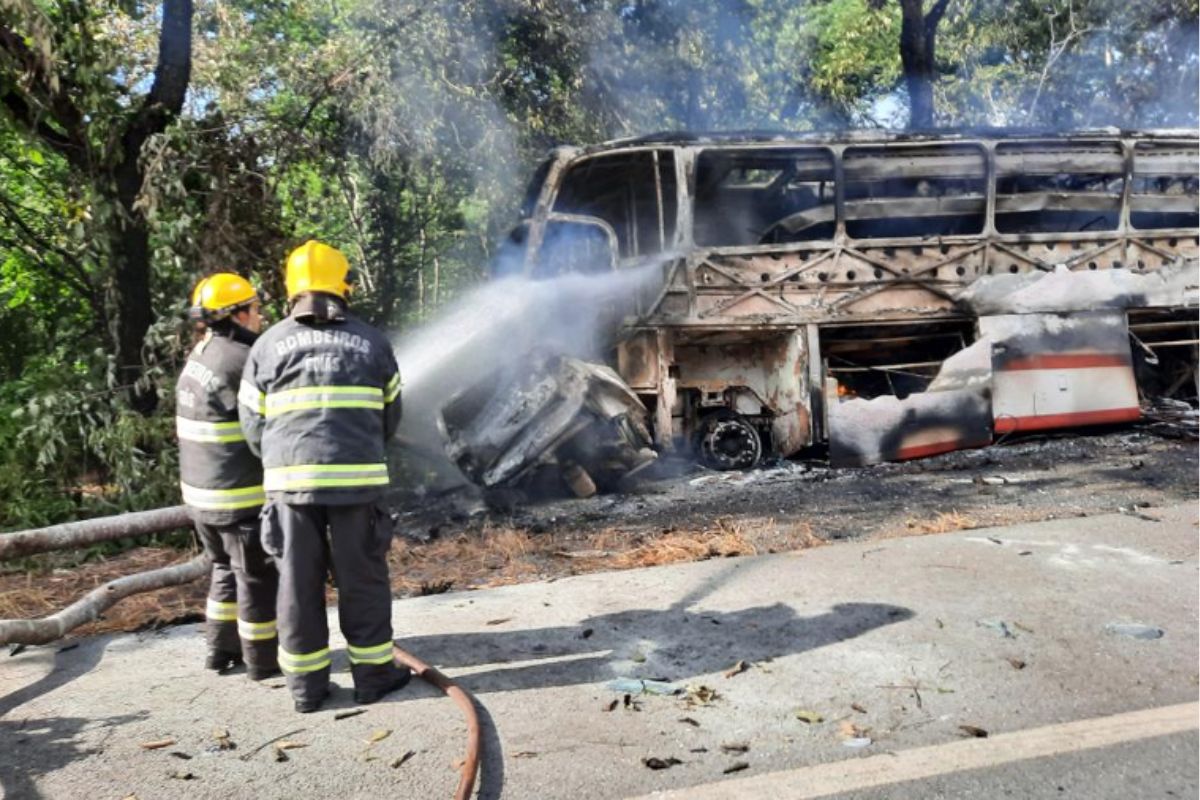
(309, 706)
(219, 660)
(400, 678)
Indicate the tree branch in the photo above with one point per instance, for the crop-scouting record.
(94, 603)
(935, 16)
(172, 74)
(46, 93)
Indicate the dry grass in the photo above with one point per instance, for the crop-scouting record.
(942, 522)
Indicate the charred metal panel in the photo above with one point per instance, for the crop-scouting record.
(1059, 370)
(953, 414)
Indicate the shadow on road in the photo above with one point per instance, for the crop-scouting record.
(669, 645)
(36, 746)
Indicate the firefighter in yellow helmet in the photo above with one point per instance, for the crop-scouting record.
(320, 397)
(221, 479)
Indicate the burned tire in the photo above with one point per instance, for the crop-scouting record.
(726, 440)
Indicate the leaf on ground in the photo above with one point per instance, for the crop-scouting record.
(500, 621)
(223, 741)
(701, 695)
(971, 730)
(1016, 663)
(737, 766)
(661, 763)
(586, 633)
(1021, 627)
(379, 735)
(157, 744)
(734, 747)
(809, 717)
(280, 755)
(638, 657)
(354, 712)
(181, 756)
(736, 669)
(612, 705)
(400, 761)
(858, 707)
(526, 754)
(848, 730)
(689, 721)
(183, 776)
(698, 750)
(288, 744)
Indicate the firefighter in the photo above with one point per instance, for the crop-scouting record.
(320, 397)
(221, 479)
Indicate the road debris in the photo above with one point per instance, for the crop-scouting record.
(180, 775)
(221, 735)
(1016, 663)
(1135, 630)
(642, 686)
(400, 761)
(856, 742)
(661, 763)
(612, 705)
(736, 669)
(157, 744)
(181, 755)
(271, 741)
(998, 625)
(737, 766)
(499, 621)
(858, 707)
(354, 712)
(972, 730)
(689, 721)
(808, 717)
(379, 735)
(735, 748)
(700, 695)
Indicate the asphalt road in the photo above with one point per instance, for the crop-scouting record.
(870, 670)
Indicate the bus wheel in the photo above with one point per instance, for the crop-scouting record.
(726, 440)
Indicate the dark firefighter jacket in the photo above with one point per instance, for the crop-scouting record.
(221, 479)
(319, 398)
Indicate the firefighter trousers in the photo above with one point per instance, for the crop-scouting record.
(240, 611)
(351, 542)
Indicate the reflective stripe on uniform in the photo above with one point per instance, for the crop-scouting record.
(252, 398)
(299, 663)
(219, 611)
(324, 476)
(392, 389)
(222, 499)
(308, 397)
(194, 430)
(376, 654)
(256, 631)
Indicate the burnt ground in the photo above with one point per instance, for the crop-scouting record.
(454, 542)
(1033, 478)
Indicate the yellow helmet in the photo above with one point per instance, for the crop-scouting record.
(217, 296)
(317, 267)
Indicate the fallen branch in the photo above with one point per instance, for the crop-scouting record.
(91, 531)
(89, 609)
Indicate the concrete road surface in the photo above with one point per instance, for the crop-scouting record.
(871, 670)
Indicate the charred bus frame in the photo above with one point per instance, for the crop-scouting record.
(802, 271)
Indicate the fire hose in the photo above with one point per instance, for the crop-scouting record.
(89, 608)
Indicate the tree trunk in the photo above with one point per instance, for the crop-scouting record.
(918, 32)
(91, 531)
(129, 248)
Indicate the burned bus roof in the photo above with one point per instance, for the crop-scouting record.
(870, 136)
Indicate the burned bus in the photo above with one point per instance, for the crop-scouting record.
(889, 295)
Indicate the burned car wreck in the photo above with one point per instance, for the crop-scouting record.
(885, 296)
(557, 419)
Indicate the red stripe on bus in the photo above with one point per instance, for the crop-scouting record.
(935, 448)
(1074, 419)
(1066, 361)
